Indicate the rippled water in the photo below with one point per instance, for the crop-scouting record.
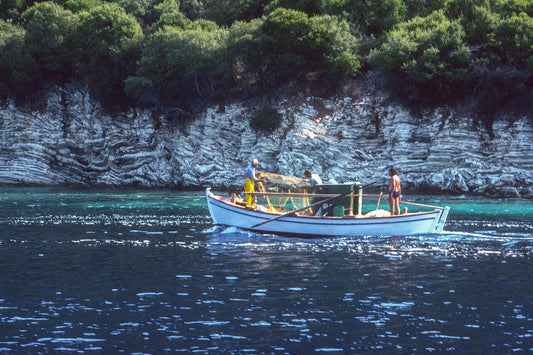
(146, 272)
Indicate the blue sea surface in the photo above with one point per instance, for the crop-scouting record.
(146, 272)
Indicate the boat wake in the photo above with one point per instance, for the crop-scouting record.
(488, 235)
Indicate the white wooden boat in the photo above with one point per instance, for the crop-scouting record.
(224, 212)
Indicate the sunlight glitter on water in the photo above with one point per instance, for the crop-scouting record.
(84, 272)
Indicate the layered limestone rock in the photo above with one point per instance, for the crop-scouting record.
(71, 142)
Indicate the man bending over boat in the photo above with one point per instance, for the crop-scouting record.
(249, 180)
(311, 181)
(395, 192)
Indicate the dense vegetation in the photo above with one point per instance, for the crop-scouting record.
(266, 120)
(179, 56)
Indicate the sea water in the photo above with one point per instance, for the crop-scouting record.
(146, 272)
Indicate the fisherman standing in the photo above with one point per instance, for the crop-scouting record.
(395, 192)
(311, 181)
(249, 181)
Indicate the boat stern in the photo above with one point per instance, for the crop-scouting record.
(442, 219)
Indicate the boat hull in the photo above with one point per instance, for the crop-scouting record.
(225, 213)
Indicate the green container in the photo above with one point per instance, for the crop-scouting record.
(348, 204)
(338, 211)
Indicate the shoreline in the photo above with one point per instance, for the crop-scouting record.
(221, 189)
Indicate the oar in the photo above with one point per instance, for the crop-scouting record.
(306, 207)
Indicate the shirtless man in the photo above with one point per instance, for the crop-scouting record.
(395, 192)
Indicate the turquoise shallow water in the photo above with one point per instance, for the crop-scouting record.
(110, 271)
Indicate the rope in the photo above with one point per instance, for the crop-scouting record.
(262, 189)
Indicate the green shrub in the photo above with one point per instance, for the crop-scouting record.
(514, 7)
(294, 45)
(371, 17)
(427, 55)
(310, 7)
(226, 12)
(110, 41)
(266, 120)
(245, 52)
(50, 33)
(79, 5)
(19, 74)
(515, 36)
(11, 9)
(502, 91)
(182, 67)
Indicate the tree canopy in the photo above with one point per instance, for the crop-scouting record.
(50, 39)
(429, 53)
(179, 55)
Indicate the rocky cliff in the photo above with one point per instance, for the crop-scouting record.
(70, 142)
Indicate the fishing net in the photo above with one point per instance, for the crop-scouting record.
(281, 180)
(292, 186)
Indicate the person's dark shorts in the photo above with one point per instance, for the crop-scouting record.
(394, 194)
